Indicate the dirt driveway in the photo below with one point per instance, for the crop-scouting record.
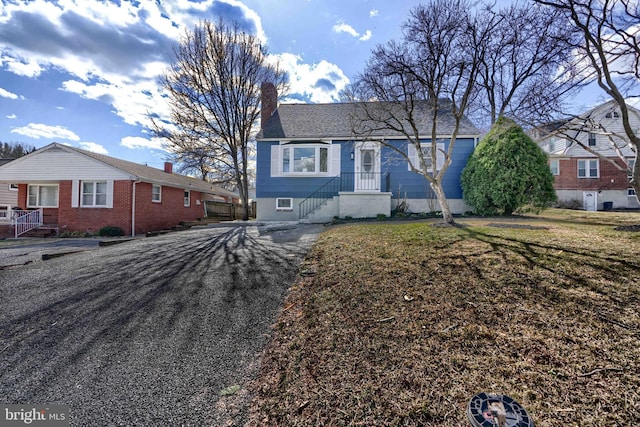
(155, 331)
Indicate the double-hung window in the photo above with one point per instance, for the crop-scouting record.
(42, 196)
(426, 155)
(554, 165)
(305, 159)
(592, 139)
(94, 194)
(156, 193)
(588, 168)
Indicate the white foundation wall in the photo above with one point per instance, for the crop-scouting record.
(619, 198)
(417, 206)
(353, 205)
(364, 205)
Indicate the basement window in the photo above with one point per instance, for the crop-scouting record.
(284, 204)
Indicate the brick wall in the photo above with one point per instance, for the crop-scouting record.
(610, 177)
(149, 216)
(91, 220)
(169, 212)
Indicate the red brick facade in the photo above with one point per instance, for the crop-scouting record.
(610, 177)
(150, 216)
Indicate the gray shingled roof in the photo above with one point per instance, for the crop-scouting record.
(149, 174)
(314, 121)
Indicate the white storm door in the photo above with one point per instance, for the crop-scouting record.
(367, 169)
(590, 200)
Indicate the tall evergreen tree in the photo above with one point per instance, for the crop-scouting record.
(507, 172)
(13, 150)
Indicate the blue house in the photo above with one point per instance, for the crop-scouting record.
(312, 167)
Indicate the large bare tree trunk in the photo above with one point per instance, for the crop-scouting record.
(447, 216)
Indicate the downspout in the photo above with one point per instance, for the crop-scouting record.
(133, 208)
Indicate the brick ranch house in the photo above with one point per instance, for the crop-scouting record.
(82, 191)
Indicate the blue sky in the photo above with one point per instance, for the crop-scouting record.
(84, 72)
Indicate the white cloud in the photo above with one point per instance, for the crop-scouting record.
(39, 130)
(113, 52)
(366, 36)
(345, 28)
(21, 67)
(319, 83)
(135, 142)
(133, 102)
(93, 147)
(6, 94)
(11, 116)
(341, 27)
(373, 12)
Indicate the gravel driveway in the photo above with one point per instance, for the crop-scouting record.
(156, 331)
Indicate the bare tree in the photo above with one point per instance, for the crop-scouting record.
(524, 73)
(608, 42)
(431, 74)
(213, 92)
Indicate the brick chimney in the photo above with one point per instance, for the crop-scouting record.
(269, 100)
(168, 167)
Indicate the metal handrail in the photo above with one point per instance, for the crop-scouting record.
(319, 197)
(25, 221)
(344, 182)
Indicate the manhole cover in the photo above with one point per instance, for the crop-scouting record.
(491, 410)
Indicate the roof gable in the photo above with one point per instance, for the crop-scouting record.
(62, 162)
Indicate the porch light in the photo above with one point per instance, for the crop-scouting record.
(351, 155)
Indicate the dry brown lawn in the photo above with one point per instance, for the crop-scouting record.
(402, 323)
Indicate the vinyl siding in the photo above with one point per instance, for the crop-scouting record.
(403, 180)
(57, 165)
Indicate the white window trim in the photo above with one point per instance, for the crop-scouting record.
(316, 147)
(6, 210)
(154, 186)
(94, 194)
(13, 187)
(412, 153)
(38, 205)
(557, 163)
(187, 198)
(284, 209)
(588, 168)
(277, 159)
(631, 192)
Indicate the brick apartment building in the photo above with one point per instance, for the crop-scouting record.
(583, 154)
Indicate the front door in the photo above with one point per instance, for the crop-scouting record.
(367, 168)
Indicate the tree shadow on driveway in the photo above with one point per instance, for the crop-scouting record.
(150, 331)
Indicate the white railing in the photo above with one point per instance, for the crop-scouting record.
(24, 221)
